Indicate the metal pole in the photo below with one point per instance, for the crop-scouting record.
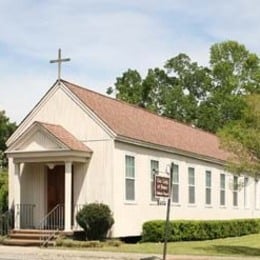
(166, 231)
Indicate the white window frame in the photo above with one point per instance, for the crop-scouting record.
(191, 186)
(235, 191)
(246, 193)
(222, 191)
(131, 178)
(153, 171)
(208, 188)
(176, 184)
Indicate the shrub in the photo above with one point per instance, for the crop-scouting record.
(96, 219)
(188, 230)
(3, 191)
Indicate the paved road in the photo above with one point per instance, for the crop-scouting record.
(34, 253)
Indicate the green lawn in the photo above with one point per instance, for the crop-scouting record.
(238, 246)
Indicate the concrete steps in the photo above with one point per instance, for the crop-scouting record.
(31, 237)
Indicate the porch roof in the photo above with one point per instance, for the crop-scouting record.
(47, 143)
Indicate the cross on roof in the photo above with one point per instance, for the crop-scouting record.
(59, 61)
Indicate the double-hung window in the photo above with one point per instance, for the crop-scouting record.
(208, 187)
(154, 170)
(130, 178)
(246, 193)
(235, 191)
(222, 189)
(175, 184)
(191, 184)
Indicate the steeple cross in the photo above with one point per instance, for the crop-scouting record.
(59, 61)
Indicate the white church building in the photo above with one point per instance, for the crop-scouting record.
(77, 146)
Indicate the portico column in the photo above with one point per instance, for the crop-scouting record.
(17, 195)
(68, 193)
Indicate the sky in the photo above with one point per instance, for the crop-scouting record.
(104, 38)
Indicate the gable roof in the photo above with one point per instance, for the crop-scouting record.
(139, 124)
(65, 137)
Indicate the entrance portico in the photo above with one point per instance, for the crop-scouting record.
(43, 158)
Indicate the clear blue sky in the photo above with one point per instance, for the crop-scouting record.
(104, 38)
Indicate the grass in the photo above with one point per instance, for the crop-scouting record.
(238, 246)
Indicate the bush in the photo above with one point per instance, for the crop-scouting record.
(3, 191)
(185, 230)
(96, 219)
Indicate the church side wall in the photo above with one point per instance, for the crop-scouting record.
(130, 215)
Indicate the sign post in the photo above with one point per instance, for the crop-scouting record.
(163, 189)
(166, 231)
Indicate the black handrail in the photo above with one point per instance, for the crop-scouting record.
(6, 222)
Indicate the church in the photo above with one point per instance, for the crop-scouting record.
(77, 146)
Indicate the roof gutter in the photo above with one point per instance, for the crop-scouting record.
(171, 150)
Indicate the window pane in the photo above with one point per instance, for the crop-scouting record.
(154, 167)
(130, 166)
(208, 196)
(152, 191)
(175, 193)
(222, 197)
(191, 194)
(208, 179)
(175, 177)
(235, 198)
(129, 178)
(154, 170)
(191, 176)
(222, 181)
(235, 183)
(129, 189)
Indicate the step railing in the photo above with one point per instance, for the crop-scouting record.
(54, 220)
(25, 213)
(6, 222)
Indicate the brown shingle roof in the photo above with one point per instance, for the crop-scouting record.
(65, 137)
(137, 123)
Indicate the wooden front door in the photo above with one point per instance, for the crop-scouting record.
(55, 186)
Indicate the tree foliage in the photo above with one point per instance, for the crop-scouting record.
(205, 96)
(3, 191)
(6, 129)
(242, 138)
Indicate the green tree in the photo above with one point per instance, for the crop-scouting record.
(234, 72)
(128, 87)
(242, 139)
(190, 84)
(3, 191)
(207, 97)
(6, 129)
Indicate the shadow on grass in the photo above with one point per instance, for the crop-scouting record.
(234, 250)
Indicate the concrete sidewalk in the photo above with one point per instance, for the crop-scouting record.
(33, 253)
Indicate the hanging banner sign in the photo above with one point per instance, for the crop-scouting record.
(162, 186)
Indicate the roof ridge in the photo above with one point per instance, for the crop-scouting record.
(139, 108)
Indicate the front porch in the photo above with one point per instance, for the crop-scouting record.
(44, 164)
(46, 201)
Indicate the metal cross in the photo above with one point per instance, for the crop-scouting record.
(59, 61)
